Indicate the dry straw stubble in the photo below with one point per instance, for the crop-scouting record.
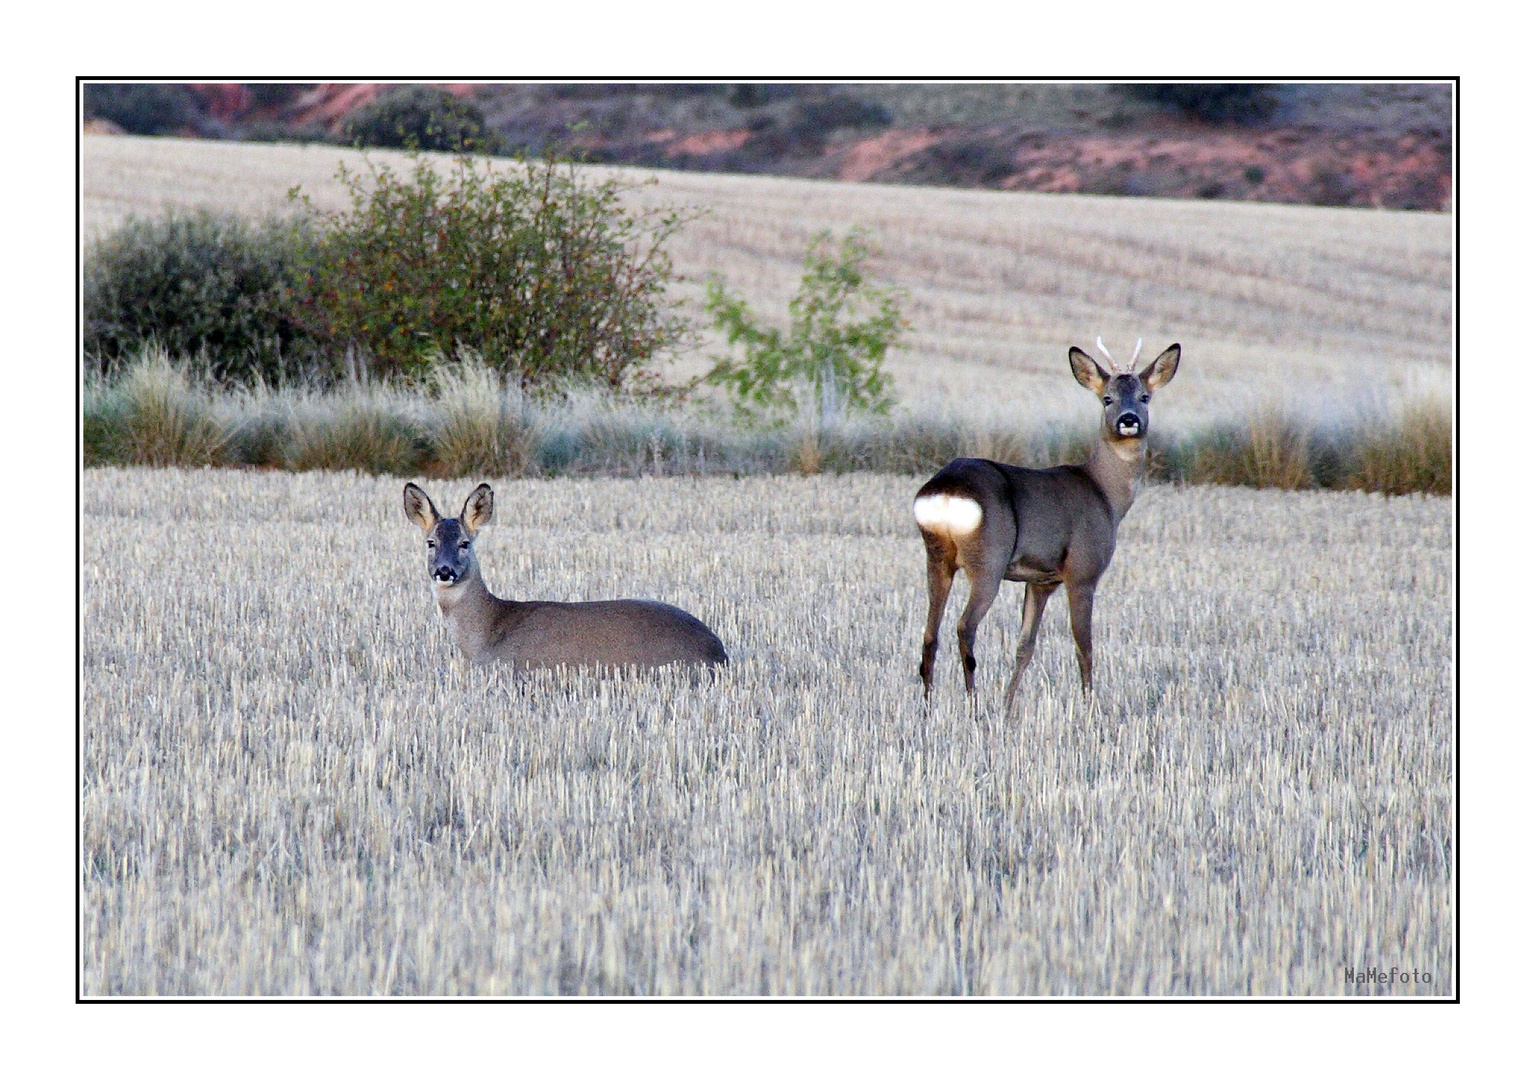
(292, 784)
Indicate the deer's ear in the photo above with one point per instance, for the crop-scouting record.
(419, 510)
(1161, 371)
(478, 510)
(1086, 370)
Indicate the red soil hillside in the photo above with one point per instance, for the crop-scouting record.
(1378, 145)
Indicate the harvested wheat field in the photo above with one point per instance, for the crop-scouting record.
(1323, 311)
(291, 785)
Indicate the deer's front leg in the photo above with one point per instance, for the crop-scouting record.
(1034, 607)
(1080, 597)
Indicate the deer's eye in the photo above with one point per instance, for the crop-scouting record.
(1109, 401)
(1145, 398)
(463, 545)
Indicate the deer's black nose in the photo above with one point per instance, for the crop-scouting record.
(443, 573)
(1128, 424)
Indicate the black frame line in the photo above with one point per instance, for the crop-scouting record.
(1343, 999)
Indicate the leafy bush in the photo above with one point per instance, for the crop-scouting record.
(198, 284)
(830, 359)
(756, 95)
(542, 275)
(1239, 103)
(816, 117)
(276, 95)
(420, 118)
(142, 108)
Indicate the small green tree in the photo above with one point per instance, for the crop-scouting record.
(830, 358)
(543, 275)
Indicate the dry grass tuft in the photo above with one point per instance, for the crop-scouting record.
(365, 429)
(1409, 454)
(1269, 451)
(808, 454)
(163, 419)
(474, 424)
(481, 426)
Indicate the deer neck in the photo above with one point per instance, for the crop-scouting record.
(1117, 465)
(468, 608)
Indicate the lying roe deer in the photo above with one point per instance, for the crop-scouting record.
(1045, 527)
(600, 634)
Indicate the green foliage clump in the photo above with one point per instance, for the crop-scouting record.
(142, 108)
(198, 284)
(1215, 103)
(841, 327)
(542, 276)
(420, 118)
(276, 95)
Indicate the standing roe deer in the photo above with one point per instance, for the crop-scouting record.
(600, 634)
(1045, 527)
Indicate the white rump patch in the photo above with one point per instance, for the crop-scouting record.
(956, 513)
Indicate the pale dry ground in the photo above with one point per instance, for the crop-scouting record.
(291, 785)
(1321, 310)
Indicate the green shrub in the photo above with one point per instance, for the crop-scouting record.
(420, 118)
(542, 275)
(142, 108)
(197, 284)
(274, 96)
(1239, 103)
(829, 362)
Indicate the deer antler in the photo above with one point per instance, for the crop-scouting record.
(1115, 367)
(1099, 341)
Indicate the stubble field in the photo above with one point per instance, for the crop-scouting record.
(292, 785)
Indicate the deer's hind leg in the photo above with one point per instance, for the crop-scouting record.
(984, 566)
(943, 561)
